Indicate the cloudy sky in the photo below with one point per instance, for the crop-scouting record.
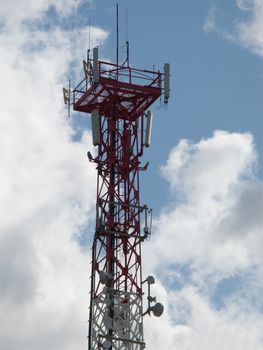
(205, 167)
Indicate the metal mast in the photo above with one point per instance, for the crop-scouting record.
(118, 97)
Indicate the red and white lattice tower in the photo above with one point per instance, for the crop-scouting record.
(118, 98)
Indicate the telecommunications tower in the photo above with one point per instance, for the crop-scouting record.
(118, 98)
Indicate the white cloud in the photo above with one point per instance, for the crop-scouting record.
(47, 198)
(208, 178)
(244, 31)
(206, 249)
(209, 23)
(245, 5)
(47, 185)
(203, 327)
(12, 13)
(250, 32)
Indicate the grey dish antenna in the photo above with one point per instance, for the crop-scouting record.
(157, 309)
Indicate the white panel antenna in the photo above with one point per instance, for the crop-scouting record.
(148, 129)
(166, 82)
(85, 68)
(66, 95)
(95, 65)
(95, 124)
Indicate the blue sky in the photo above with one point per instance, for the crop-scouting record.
(215, 83)
(204, 181)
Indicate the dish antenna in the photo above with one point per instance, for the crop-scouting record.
(105, 277)
(106, 345)
(157, 309)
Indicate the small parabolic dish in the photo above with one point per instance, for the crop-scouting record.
(157, 309)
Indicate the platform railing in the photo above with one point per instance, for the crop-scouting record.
(122, 73)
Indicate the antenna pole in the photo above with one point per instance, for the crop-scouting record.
(69, 87)
(117, 38)
(89, 33)
(127, 41)
(126, 23)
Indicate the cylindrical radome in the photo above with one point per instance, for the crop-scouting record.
(95, 124)
(166, 82)
(95, 65)
(148, 129)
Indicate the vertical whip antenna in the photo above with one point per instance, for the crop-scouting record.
(117, 34)
(89, 34)
(126, 24)
(127, 40)
(88, 51)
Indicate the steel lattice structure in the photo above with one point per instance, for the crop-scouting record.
(118, 98)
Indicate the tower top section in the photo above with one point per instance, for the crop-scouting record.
(134, 90)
